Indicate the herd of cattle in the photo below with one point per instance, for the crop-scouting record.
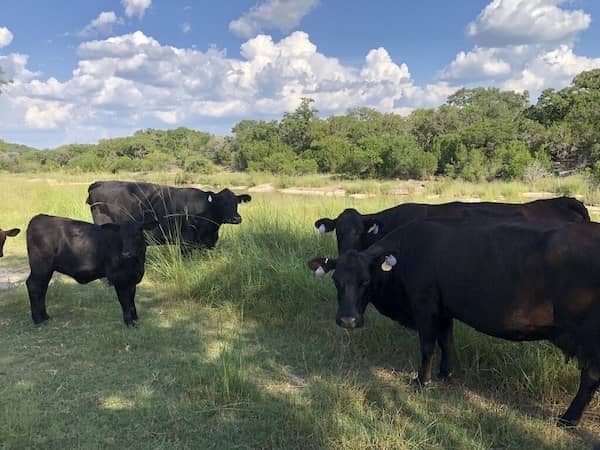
(515, 271)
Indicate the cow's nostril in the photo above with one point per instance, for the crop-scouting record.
(348, 322)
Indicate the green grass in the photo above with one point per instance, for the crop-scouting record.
(238, 348)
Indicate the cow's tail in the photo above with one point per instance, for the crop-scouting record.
(93, 186)
(578, 207)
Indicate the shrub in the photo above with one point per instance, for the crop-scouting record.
(512, 158)
(197, 164)
(468, 165)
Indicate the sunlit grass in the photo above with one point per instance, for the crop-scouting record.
(238, 348)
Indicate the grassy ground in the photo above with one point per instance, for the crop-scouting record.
(238, 348)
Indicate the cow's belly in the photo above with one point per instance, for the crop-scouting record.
(512, 320)
(84, 276)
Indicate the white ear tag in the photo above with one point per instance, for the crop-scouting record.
(322, 228)
(390, 261)
(374, 229)
(209, 198)
(319, 272)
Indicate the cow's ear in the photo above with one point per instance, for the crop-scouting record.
(320, 266)
(325, 225)
(387, 262)
(244, 198)
(12, 232)
(115, 227)
(373, 226)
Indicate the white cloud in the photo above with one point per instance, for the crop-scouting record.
(515, 22)
(479, 63)
(131, 81)
(14, 67)
(136, 7)
(6, 37)
(522, 45)
(282, 15)
(103, 24)
(48, 115)
(555, 68)
(186, 27)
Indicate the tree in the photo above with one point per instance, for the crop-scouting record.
(295, 127)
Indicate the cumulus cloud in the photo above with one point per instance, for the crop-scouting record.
(136, 7)
(48, 115)
(480, 63)
(6, 37)
(132, 81)
(103, 24)
(522, 45)
(282, 15)
(515, 22)
(555, 68)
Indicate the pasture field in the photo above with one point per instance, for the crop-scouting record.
(238, 348)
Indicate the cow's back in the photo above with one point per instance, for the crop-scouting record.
(120, 201)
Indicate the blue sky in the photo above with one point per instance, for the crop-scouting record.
(83, 71)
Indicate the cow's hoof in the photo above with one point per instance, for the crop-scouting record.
(444, 376)
(41, 321)
(564, 422)
(418, 384)
(132, 324)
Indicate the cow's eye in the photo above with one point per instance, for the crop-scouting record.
(364, 283)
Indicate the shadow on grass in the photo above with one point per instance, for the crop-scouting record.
(250, 357)
(263, 275)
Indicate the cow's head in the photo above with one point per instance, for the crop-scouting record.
(129, 237)
(354, 273)
(353, 230)
(3, 235)
(224, 205)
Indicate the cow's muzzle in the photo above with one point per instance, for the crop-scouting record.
(349, 322)
(235, 220)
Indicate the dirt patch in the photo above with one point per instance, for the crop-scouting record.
(12, 278)
(408, 187)
(267, 187)
(329, 191)
(361, 196)
(541, 194)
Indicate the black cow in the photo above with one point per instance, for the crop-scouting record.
(85, 252)
(187, 215)
(358, 231)
(3, 235)
(514, 281)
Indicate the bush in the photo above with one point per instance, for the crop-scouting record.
(87, 162)
(197, 164)
(512, 158)
(468, 165)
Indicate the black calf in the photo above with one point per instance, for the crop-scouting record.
(85, 252)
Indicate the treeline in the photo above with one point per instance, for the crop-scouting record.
(479, 133)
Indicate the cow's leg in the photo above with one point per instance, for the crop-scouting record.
(134, 315)
(588, 384)
(37, 285)
(427, 338)
(444, 340)
(126, 294)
